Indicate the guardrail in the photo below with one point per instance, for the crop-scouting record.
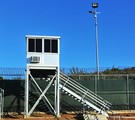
(84, 95)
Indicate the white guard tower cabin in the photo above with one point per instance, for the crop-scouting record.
(43, 53)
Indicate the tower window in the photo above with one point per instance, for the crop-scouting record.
(54, 46)
(31, 45)
(38, 45)
(35, 45)
(51, 46)
(47, 45)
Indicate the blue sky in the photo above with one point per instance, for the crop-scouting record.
(70, 20)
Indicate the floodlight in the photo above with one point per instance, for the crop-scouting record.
(94, 5)
(90, 11)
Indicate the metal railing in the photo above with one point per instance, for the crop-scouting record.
(102, 77)
(104, 70)
(87, 97)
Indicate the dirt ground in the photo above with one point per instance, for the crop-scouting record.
(117, 115)
(122, 115)
(40, 116)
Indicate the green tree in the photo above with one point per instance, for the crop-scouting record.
(1, 78)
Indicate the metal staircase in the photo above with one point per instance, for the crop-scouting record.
(73, 89)
(83, 95)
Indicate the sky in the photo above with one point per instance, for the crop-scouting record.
(70, 19)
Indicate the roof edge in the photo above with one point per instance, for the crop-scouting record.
(38, 36)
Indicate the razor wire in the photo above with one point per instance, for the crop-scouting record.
(19, 73)
(9, 73)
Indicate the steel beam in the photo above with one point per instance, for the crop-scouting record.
(41, 96)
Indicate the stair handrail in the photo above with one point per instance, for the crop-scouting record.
(86, 90)
(79, 84)
(100, 103)
(76, 83)
(82, 89)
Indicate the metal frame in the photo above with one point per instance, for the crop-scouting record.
(29, 111)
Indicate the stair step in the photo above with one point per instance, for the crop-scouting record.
(93, 117)
(101, 117)
(85, 117)
(75, 98)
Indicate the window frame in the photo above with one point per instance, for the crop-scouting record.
(35, 43)
(51, 49)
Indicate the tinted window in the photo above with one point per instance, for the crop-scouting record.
(31, 45)
(54, 46)
(38, 45)
(47, 45)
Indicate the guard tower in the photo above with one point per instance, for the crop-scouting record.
(42, 62)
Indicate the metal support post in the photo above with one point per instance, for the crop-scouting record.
(127, 80)
(27, 94)
(95, 5)
(96, 85)
(55, 99)
(2, 103)
(57, 95)
(96, 30)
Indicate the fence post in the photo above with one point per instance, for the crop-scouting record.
(79, 77)
(95, 84)
(127, 90)
(1, 102)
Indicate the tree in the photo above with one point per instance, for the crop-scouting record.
(1, 78)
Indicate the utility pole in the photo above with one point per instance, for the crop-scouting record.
(95, 13)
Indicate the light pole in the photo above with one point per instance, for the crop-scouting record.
(95, 5)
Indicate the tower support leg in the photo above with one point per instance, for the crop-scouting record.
(57, 95)
(27, 94)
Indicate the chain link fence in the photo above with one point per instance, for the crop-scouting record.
(105, 72)
(117, 87)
